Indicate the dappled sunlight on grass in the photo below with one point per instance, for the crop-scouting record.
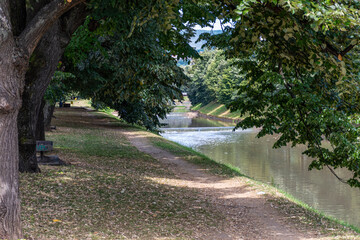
(110, 190)
(106, 192)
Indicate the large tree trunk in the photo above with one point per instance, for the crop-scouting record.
(48, 111)
(14, 58)
(42, 67)
(11, 76)
(40, 127)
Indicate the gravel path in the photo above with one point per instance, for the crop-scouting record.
(248, 215)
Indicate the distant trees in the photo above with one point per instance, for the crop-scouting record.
(213, 78)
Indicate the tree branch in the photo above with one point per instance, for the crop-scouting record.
(346, 50)
(308, 132)
(44, 19)
(333, 172)
(329, 48)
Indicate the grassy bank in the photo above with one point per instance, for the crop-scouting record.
(108, 191)
(216, 109)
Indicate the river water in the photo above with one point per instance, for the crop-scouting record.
(285, 168)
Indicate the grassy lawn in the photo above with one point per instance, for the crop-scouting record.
(106, 192)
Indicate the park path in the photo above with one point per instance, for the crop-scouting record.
(248, 214)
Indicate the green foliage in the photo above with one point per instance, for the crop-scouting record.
(124, 55)
(300, 60)
(57, 91)
(129, 70)
(213, 78)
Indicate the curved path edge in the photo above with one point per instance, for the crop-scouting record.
(248, 214)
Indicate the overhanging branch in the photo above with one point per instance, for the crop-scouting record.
(333, 172)
(44, 19)
(346, 50)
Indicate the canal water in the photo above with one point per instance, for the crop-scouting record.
(285, 168)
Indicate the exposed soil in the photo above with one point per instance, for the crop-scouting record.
(248, 213)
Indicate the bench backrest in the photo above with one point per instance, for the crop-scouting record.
(44, 146)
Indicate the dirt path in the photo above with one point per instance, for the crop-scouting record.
(248, 215)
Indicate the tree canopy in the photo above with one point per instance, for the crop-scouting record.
(134, 75)
(213, 78)
(298, 58)
(128, 62)
(300, 65)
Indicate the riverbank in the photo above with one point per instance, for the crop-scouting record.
(216, 111)
(126, 183)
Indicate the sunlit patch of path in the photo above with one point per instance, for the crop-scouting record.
(247, 213)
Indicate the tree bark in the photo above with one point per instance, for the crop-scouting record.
(40, 127)
(48, 111)
(11, 76)
(14, 59)
(18, 16)
(42, 67)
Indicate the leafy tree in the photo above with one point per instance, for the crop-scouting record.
(20, 35)
(302, 82)
(213, 78)
(18, 40)
(57, 91)
(134, 75)
(109, 15)
(133, 70)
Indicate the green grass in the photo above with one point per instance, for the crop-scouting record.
(93, 143)
(196, 107)
(180, 109)
(196, 158)
(221, 109)
(113, 191)
(209, 107)
(110, 190)
(313, 216)
(235, 114)
(107, 110)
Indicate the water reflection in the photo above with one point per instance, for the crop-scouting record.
(285, 167)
